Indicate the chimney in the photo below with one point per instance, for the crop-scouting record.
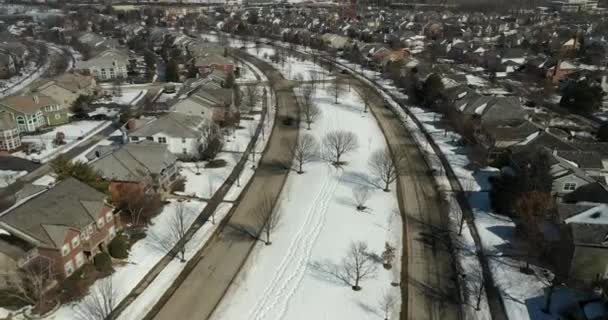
(131, 124)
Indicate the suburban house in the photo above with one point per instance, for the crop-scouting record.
(107, 65)
(205, 63)
(182, 133)
(67, 225)
(34, 111)
(9, 134)
(209, 101)
(67, 87)
(7, 65)
(583, 250)
(146, 167)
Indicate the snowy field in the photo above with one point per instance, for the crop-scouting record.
(128, 96)
(318, 221)
(8, 177)
(75, 133)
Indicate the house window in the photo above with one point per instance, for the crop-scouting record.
(65, 250)
(112, 231)
(569, 186)
(75, 242)
(100, 223)
(150, 138)
(162, 140)
(69, 268)
(79, 259)
(20, 120)
(108, 217)
(184, 151)
(134, 138)
(183, 140)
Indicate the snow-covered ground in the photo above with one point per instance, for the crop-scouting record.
(8, 177)
(143, 255)
(318, 221)
(128, 96)
(75, 133)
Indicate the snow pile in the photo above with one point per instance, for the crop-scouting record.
(8, 177)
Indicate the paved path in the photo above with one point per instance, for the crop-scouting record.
(197, 295)
(428, 283)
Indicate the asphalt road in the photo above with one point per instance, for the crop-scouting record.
(202, 290)
(428, 284)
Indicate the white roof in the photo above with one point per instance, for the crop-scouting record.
(595, 215)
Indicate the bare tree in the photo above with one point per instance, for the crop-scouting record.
(252, 96)
(367, 99)
(338, 143)
(99, 303)
(468, 187)
(361, 194)
(31, 283)
(267, 218)
(177, 229)
(383, 168)
(336, 87)
(139, 206)
(306, 150)
(310, 111)
(386, 303)
(388, 255)
(358, 264)
(314, 78)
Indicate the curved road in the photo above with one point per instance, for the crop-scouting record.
(201, 291)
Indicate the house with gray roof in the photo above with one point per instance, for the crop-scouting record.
(583, 254)
(66, 225)
(182, 133)
(148, 164)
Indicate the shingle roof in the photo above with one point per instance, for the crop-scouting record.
(135, 161)
(172, 124)
(70, 204)
(28, 103)
(6, 121)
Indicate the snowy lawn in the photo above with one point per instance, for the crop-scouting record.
(318, 222)
(8, 177)
(129, 96)
(75, 133)
(143, 256)
(138, 309)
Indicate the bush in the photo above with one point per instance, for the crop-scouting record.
(217, 163)
(213, 147)
(103, 262)
(119, 247)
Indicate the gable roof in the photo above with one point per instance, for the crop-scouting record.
(135, 161)
(173, 124)
(69, 204)
(30, 103)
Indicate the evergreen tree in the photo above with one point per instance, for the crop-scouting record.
(172, 72)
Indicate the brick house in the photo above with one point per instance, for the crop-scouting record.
(67, 225)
